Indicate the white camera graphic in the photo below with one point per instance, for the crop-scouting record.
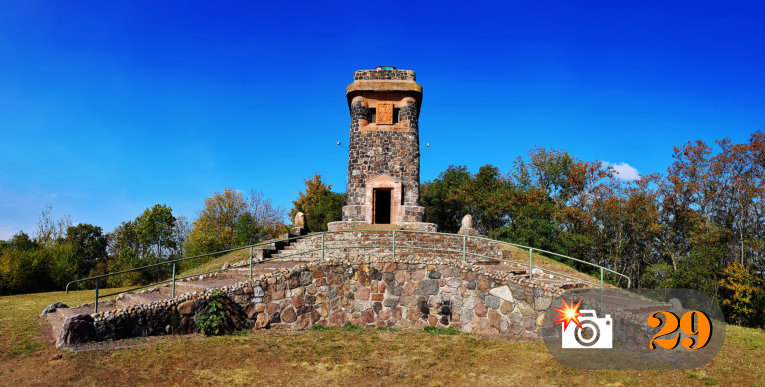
(595, 332)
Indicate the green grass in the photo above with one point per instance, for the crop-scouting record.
(559, 265)
(319, 327)
(19, 325)
(443, 331)
(352, 327)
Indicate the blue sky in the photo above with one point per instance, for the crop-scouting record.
(109, 107)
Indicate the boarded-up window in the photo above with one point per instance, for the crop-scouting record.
(384, 113)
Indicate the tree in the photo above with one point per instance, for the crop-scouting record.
(215, 229)
(124, 237)
(21, 242)
(49, 231)
(269, 218)
(702, 268)
(247, 230)
(743, 299)
(155, 228)
(181, 233)
(328, 209)
(319, 204)
(443, 205)
(530, 218)
(480, 193)
(23, 270)
(88, 246)
(150, 238)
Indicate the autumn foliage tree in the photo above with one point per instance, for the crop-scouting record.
(215, 228)
(319, 204)
(743, 298)
(228, 220)
(682, 229)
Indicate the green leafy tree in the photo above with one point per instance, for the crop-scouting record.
(441, 198)
(328, 209)
(155, 230)
(247, 230)
(701, 269)
(21, 242)
(88, 246)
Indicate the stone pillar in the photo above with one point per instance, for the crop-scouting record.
(467, 226)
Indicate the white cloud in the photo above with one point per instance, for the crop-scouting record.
(623, 171)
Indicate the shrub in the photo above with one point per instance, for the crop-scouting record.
(213, 321)
(742, 296)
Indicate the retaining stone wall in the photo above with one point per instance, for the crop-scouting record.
(403, 294)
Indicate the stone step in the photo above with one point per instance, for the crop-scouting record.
(58, 317)
(130, 299)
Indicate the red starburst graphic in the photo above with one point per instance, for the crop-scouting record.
(568, 313)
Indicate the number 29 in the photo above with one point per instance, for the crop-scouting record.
(701, 327)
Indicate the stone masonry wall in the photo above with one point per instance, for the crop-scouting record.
(403, 294)
(392, 75)
(409, 245)
(377, 152)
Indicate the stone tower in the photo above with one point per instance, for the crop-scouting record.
(384, 150)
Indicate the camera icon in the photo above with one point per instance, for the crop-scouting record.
(594, 333)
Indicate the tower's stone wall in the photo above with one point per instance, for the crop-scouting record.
(387, 155)
(383, 152)
(379, 74)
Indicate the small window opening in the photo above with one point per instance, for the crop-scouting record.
(395, 115)
(372, 115)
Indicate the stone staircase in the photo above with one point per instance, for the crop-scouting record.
(308, 248)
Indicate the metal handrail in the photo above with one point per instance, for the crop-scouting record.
(393, 246)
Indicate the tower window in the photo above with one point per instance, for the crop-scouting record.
(372, 115)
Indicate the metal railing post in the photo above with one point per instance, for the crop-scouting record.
(464, 248)
(530, 257)
(251, 263)
(601, 277)
(322, 246)
(394, 243)
(173, 279)
(95, 306)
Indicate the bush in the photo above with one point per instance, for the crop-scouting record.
(743, 299)
(213, 321)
